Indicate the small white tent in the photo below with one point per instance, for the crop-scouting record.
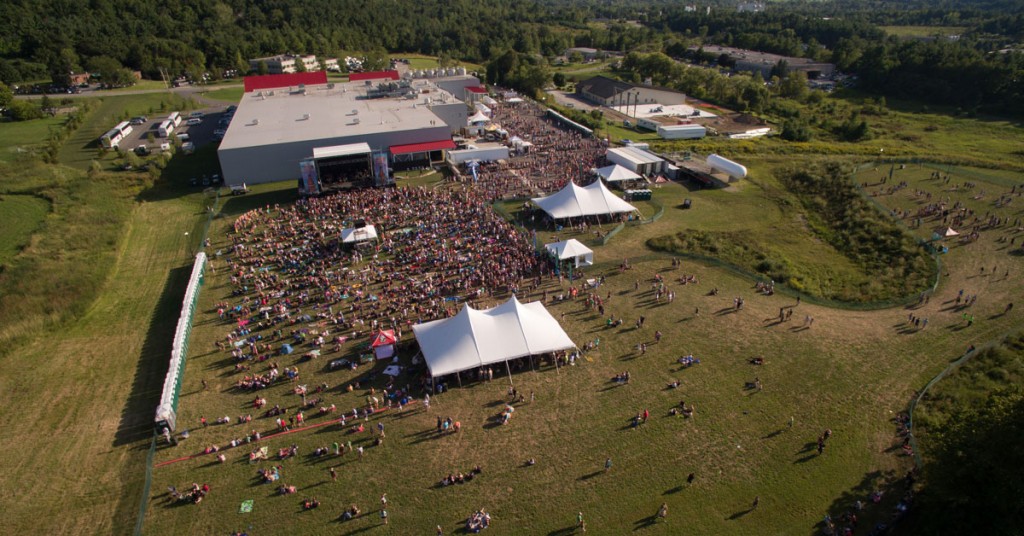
(572, 249)
(358, 234)
(475, 338)
(478, 117)
(616, 173)
(574, 201)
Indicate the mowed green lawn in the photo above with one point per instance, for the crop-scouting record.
(18, 137)
(20, 216)
(228, 94)
(849, 371)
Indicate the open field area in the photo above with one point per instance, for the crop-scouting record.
(923, 31)
(848, 371)
(20, 217)
(233, 94)
(16, 138)
(87, 316)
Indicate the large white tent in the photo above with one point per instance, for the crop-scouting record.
(358, 234)
(572, 249)
(616, 173)
(574, 201)
(479, 117)
(475, 338)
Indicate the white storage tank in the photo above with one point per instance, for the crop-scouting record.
(460, 71)
(733, 169)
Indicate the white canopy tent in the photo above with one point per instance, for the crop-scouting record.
(478, 117)
(574, 201)
(572, 249)
(475, 338)
(616, 173)
(358, 234)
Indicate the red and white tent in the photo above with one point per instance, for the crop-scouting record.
(384, 344)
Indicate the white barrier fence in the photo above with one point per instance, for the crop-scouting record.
(166, 412)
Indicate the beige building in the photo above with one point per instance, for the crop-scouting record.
(286, 63)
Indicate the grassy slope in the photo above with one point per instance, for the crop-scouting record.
(233, 94)
(20, 216)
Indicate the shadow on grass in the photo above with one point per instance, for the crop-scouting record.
(739, 514)
(648, 521)
(136, 415)
(673, 491)
(590, 475)
(774, 434)
(563, 531)
(887, 483)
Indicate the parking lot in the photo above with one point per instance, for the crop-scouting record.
(199, 135)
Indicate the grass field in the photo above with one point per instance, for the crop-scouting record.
(87, 314)
(923, 31)
(21, 136)
(233, 94)
(20, 216)
(851, 371)
(420, 61)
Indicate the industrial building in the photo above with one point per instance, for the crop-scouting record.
(285, 120)
(763, 62)
(610, 92)
(286, 63)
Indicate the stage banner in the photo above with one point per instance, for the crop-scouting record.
(381, 176)
(309, 181)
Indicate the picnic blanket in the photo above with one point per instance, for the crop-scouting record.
(246, 506)
(260, 454)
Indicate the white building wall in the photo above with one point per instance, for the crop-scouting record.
(280, 162)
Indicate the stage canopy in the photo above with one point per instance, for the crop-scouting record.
(615, 173)
(475, 338)
(574, 201)
(358, 234)
(572, 249)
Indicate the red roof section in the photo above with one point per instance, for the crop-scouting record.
(422, 147)
(477, 89)
(373, 75)
(272, 81)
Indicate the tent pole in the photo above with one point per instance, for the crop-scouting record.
(433, 386)
(507, 369)
(555, 355)
(459, 376)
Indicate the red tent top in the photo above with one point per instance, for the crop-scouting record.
(477, 89)
(422, 147)
(373, 75)
(384, 338)
(272, 81)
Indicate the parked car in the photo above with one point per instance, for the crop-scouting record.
(142, 150)
(183, 137)
(165, 147)
(239, 189)
(194, 121)
(139, 120)
(195, 114)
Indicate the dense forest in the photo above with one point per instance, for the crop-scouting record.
(980, 70)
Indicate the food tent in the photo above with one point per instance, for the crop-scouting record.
(475, 338)
(949, 232)
(572, 249)
(384, 344)
(574, 201)
(617, 173)
(358, 234)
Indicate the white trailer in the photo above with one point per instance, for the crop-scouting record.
(682, 132)
(730, 168)
(648, 124)
(483, 154)
(174, 118)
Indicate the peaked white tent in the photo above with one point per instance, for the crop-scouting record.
(475, 338)
(358, 234)
(572, 249)
(616, 173)
(574, 201)
(478, 117)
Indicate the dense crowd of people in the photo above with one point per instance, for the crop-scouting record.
(557, 154)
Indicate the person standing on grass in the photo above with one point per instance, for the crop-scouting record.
(689, 479)
(384, 516)
(663, 511)
(607, 465)
(334, 475)
(579, 522)
(757, 501)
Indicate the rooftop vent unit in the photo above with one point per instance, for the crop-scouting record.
(353, 112)
(355, 121)
(305, 117)
(254, 122)
(330, 86)
(259, 94)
